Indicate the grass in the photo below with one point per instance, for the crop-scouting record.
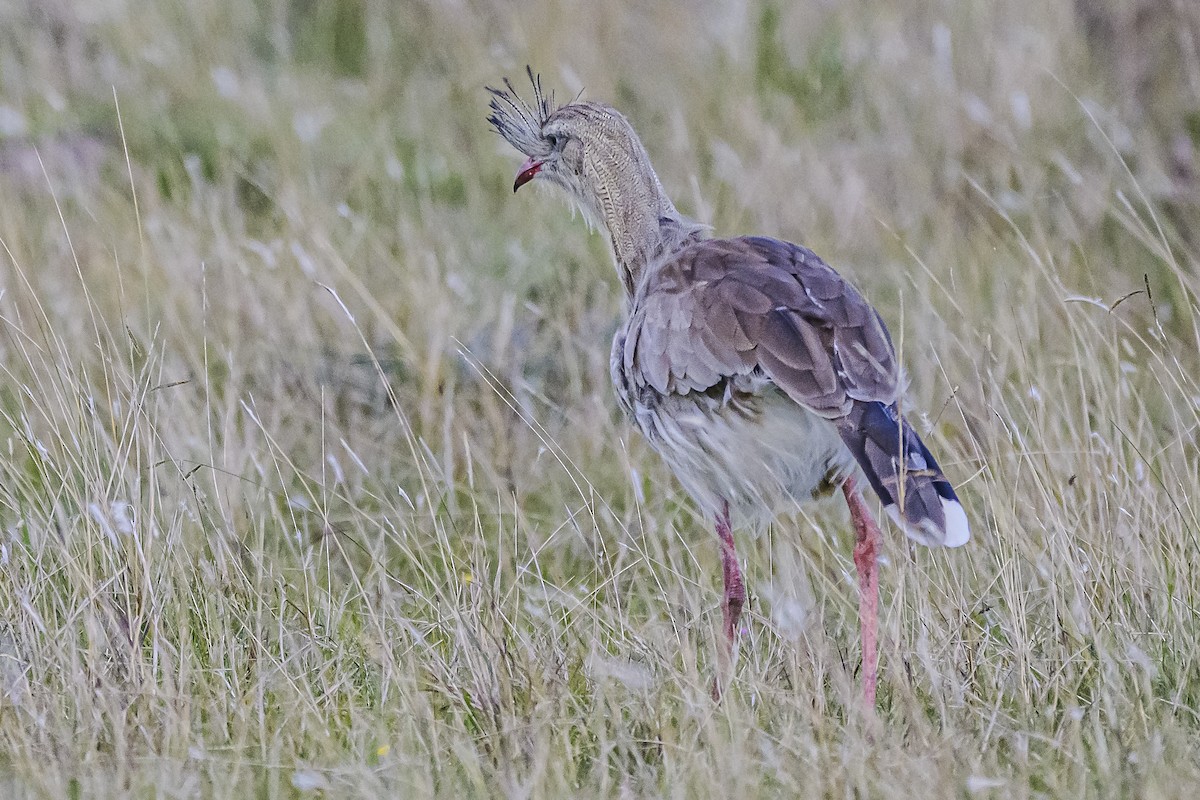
(311, 483)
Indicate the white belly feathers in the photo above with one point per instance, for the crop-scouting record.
(744, 442)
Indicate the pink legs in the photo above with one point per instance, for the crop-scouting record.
(734, 599)
(867, 540)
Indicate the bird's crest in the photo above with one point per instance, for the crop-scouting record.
(519, 122)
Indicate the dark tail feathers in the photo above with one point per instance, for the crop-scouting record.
(876, 436)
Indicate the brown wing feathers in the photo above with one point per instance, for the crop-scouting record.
(733, 307)
(739, 304)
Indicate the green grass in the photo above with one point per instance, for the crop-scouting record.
(311, 481)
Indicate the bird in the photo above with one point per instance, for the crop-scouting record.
(761, 376)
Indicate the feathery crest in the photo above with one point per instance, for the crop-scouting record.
(516, 120)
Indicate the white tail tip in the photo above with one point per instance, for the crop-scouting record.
(958, 530)
(957, 533)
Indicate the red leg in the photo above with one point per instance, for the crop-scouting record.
(734, 598)
(866, 551)
(735, 587)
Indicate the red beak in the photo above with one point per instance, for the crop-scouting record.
(528, 170)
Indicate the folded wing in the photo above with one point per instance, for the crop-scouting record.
(756, 306)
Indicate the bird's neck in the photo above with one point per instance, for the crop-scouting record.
(642, 223)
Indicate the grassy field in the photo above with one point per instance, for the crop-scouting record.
(311, 482)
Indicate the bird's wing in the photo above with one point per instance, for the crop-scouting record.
(728, 307)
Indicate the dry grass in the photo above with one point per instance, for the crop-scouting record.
(311, 482)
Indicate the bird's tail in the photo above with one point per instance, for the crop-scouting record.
(889, 451)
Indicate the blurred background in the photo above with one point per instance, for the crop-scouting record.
(300, 403)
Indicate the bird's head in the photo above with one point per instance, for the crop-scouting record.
(588, 149)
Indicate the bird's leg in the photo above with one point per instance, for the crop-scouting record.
(735, 587)
(734, 598)
(867, 541)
